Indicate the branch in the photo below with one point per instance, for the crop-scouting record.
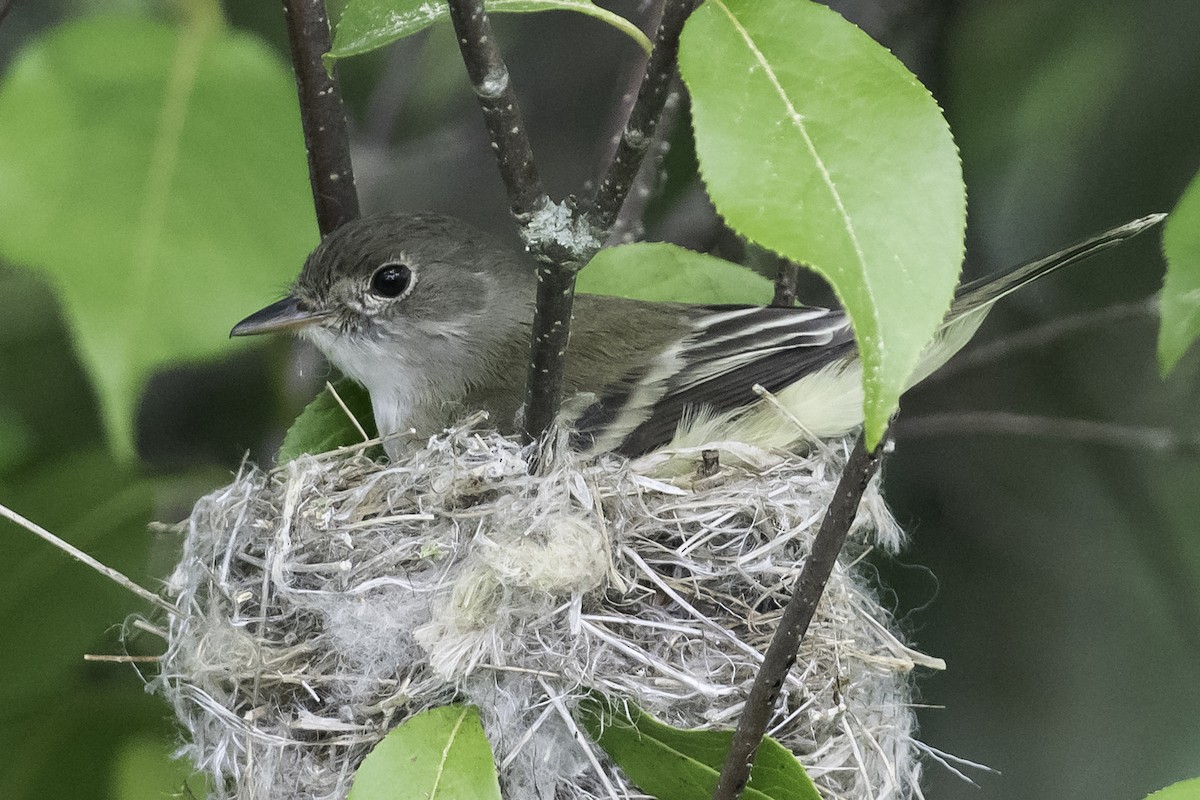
(5, 7)
(797, 615)
(322, 115)
(547, 357)
(1086, 431)
(582, 235)
(1045, 334)
(77, 554)
(560, 238)
(643, 117)
(501, 112)
(527, 198)
(630, 223)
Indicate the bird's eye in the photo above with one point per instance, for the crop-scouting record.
(391, 280)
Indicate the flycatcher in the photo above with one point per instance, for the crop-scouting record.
(434, 318)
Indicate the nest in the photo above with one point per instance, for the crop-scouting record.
(326, 601)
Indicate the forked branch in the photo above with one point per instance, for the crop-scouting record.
(560, 237)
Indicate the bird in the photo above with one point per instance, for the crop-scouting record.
(434, 318)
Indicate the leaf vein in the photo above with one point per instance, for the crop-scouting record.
(441, 767)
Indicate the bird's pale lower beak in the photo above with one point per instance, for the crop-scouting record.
(286, 315)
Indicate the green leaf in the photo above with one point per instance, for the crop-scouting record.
(664, 272)
(1184, 790)
(157, 175)
(674, 764)
(817, 143)
(367, 25)
(440, 754)
(323, 424)
(1180, 300)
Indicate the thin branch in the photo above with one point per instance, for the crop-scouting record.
(643, 117)
(501, 112)
(630, 223)
(322, 115)
(1086, 431)
(77, 554)
(633, 73)
(121, 659)
(1044, 334)
(781, 654)
(785, 284)
(337, 398)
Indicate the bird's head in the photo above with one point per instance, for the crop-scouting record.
(392, 290)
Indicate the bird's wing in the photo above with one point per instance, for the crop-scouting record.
(723, 352)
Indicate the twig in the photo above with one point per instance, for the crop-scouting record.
(630, 223)
(322, 115)
(797, 615)
(337, 398)
(627, 225)
(121, 659)
(501, 112)
(1005, 423)
(643, 117)
(79, 555)
(1044, 334)
(785, 284)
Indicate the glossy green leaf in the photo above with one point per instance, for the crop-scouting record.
(157, 176)
(1184, 790)
(367, 25)
(817, 143)
(674, 764)
(665, 272)
(1180, 300)
(440, 754)
(323, 424)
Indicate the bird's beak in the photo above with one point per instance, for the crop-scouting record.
(288, 314)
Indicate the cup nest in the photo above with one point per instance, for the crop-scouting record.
(325, 601)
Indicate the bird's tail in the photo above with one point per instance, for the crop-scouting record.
(990, 288)
(973, 300)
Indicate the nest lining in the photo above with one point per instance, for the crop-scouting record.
(327, 600)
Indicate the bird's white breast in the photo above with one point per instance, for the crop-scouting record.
(392, 381)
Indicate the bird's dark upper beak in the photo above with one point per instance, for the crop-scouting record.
(286, 315)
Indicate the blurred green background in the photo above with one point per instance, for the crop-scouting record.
(1056, 574)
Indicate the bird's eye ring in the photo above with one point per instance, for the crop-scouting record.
(391, 280)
